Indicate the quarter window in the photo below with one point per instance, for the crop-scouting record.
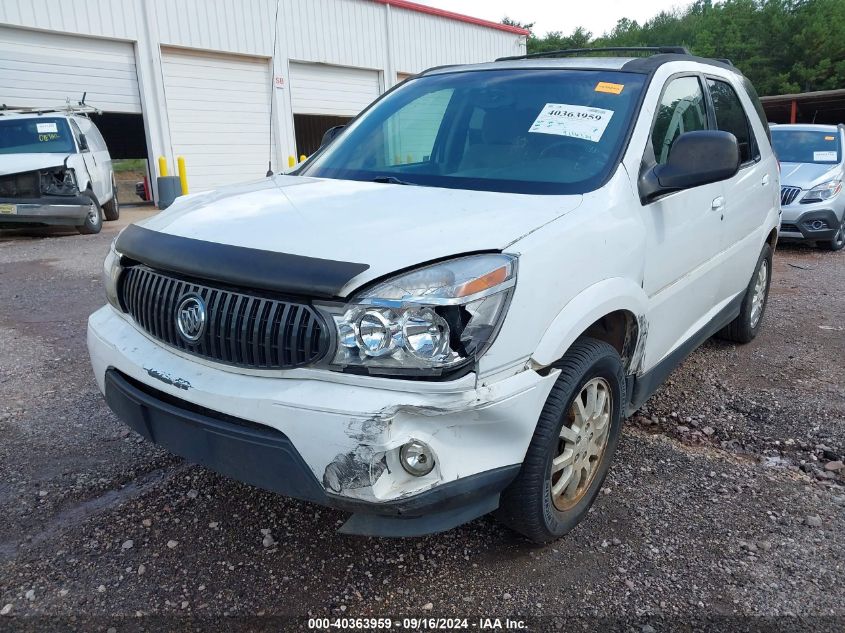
(681, 110)
(730, 117)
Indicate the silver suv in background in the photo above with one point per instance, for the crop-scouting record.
(812, 200)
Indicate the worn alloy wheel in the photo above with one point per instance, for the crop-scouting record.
(583, 439)
(93, 218)
(572, 447)
(747, 324)
(761, 287)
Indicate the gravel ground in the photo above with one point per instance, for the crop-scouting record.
(724, 503)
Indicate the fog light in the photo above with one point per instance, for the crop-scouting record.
(416, 458)
(818, 225)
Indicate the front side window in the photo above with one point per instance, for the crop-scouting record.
(730, 117)
(681, 109)
(36, 135)
(807, 146)
(541, 131)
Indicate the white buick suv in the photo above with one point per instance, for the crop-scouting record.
(450, 308)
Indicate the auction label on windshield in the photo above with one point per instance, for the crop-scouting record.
(824, 156)
(46, 128)
(576, 121)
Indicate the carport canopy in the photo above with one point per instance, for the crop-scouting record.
(823, 106)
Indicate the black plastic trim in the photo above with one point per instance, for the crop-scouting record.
(237, 265)
(647, 383)
(827, 215)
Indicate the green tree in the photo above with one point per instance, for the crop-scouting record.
(781, 45)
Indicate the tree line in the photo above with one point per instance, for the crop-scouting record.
(783, 46)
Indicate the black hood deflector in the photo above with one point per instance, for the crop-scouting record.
(238, 265)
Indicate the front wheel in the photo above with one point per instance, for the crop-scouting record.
(93, 218)
(745, 327)
(573, 445)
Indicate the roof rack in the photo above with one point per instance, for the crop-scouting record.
(678, 50)
(80, 108)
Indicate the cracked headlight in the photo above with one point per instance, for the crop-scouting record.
(426, 322)
(59, 182)
(111, 276)
(824, 191)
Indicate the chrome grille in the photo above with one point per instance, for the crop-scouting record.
(788, 195)
(241, 329)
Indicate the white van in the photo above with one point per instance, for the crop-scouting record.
(55, 170)
(450, 308)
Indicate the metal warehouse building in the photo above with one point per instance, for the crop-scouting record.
(227, 84)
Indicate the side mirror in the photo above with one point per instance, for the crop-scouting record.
(83, 143)
(696, 158)
(330, 134)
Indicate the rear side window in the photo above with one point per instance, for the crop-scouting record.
(681, 110)
(758, 107)
(730, 117)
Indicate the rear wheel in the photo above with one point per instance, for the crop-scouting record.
(572, 447)
(838, 241)
(111, 209)
(747, 325)
(93, 218)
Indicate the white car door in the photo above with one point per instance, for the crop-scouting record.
(683, 231)
(750, 196)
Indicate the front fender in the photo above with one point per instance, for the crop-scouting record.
(596, 301)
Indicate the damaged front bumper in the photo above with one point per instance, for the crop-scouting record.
(323, 437)
(44, 211)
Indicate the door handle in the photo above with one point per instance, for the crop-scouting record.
(765, 180)
(718, 203)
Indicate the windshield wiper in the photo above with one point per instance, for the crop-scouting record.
(392, 180)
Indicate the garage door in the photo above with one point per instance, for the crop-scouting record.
(333, 90)
(218, 107)
(43, 69)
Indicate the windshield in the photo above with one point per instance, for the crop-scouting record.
(523, 131)
(38, 135)
(807, 146)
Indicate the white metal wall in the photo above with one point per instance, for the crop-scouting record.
(357, 33)
(43, 69)
(332, 90)
(218, 107)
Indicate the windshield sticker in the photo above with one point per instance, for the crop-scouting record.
(824, 156)
(606, 86)
(830, 138)
(45, 128)
(576, 121)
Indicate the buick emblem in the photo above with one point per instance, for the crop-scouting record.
(190, 318)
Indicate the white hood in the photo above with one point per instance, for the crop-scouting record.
(20, 163)
(389, 227)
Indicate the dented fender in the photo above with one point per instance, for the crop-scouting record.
(596, 301)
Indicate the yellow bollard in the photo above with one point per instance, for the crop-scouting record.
(162, 166)
(303, 158)
(291, 161)
(183, 174)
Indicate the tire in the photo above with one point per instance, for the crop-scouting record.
(111, 209)
(838, 242)
(94, 220)
(745, 327)
(528, 505)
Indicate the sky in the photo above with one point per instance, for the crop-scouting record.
(597, 16)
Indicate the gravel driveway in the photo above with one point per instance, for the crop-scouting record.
(725, 501)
